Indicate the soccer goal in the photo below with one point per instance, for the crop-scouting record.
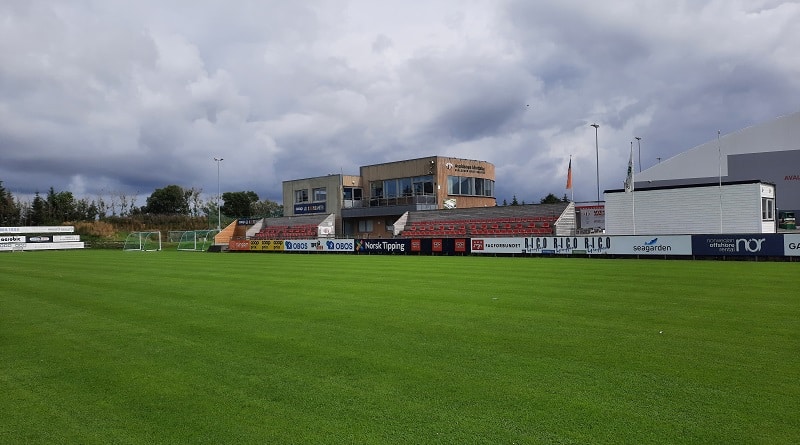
(144, 241)
(196, 240)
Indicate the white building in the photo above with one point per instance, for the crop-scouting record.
(729, 207)
(769, 152)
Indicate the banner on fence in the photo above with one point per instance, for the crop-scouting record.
(497, 245)
(752, 244)
(38, 229)
(9, 247)
(383, 246)
(652, 245)
(266, 245)
(791, 244)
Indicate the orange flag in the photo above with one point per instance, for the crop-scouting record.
(569, 175)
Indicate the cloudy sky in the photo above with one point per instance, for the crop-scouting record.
(110, 96)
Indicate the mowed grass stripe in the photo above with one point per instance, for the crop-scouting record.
(175, 347)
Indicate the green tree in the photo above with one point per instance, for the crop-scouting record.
(86, 210)
(550, 199)
(266, 208)
(238, 204)
(60, 207)
(9, 210)
(514, 201)
(38, 214)
(170, 200)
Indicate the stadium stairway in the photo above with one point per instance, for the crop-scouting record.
(225, 235)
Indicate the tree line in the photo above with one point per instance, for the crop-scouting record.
(60, 207)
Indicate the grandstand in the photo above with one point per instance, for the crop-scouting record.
(292, 227)
(525, 220)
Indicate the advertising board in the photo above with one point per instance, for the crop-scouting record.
(496, 245)
(339, 245)
(8, 247)
(567, 245)
(750, 244)
(305, 209)
(37, 229)
(302, 245)
(12, 239)
(791, 244)
(40, 239)
(266, 245)
(591, 216)
(383, 246)
(239, 245)
(66, 238)
(651, 245)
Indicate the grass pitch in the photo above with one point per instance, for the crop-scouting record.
(100, 347)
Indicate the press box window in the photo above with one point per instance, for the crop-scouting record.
(320, 194)
(301, 195)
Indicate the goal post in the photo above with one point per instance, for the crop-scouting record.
(143, 241)
(196, 240)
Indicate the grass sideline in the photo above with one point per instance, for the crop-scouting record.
(102, 347)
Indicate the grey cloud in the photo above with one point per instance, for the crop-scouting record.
(114, 95)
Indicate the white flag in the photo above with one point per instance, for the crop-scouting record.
(629, 178)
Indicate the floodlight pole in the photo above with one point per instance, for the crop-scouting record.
(597, 159)
(219, 209)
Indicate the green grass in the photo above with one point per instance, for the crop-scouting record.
(101, 347)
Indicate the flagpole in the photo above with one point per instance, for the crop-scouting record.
(719, 175)
(633, 194)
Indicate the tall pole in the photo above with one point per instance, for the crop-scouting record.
(719, 175)
(219, 209)
(639, 141)
(597, 159)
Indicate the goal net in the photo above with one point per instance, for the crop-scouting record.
(196, 240)
(144, 241)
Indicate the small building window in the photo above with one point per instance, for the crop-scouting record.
(301, 195)
(320, 194)
(365, 226)
(768, 209)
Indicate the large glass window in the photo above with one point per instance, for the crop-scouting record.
(479, 188)
(320, 194)
(376, 189)
(463, 185)
(488, 187)
(453, 185)
(405, 187)
(467, 186)
(423, 185)
(301, 195)
(390, 188)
